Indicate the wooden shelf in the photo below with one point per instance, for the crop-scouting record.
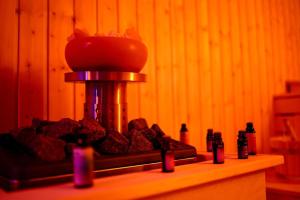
(202, 178)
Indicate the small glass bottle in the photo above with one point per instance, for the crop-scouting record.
(83, 163)
(167, 156)
(242, 145)
(184, 134)
(250, 132)
(209, 140)
(218, 148)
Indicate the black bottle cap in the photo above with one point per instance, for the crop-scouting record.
(183, 127)
(210, 133)
(249, 127)
(217, 135)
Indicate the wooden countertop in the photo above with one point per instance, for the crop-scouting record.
(153, 182)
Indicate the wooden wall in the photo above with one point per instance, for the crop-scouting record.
(212, 63)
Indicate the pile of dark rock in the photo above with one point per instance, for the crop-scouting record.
(54, 141)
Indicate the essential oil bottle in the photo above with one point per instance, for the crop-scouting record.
(250, 132)
(167, 156)
(218, 148)
(184, 134)
(209, 140)
(242, 145)
(83, 163)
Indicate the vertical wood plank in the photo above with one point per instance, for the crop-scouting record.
(193, 73)
(274, 33)
(254, 69)
(205, 69)
(237, 65)
(297, 7)
(264, 108)
(247, 79)
(291, 35)
(9, 64)
(33, 61)
(215, 61)
(287, 40)
(269, 65)
(163, 66)
(107, 17)
(228, 92)
(85, 19)
(295, 17)
(146, 27)
(281, 41)
(179, 86)
(127, 19)
(61, 94)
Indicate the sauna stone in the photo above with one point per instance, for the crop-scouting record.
(138, 142)
(62, 127)
(138, 124)
(114, 143)
(92, 128)
(44, 147)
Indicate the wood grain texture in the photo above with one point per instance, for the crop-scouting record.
(254, 69)
(85, 12)
(211, 63)
(229, 127)
(163, 67)
(146, 28)
(193, 73)
(215, 63)
(179, 69)
(61, 94)
(9, 35)
(204, 70)
(237, 66)
(127, 20)
(33, 61)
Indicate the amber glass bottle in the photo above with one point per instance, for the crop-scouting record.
(218, 148)
(83, 163)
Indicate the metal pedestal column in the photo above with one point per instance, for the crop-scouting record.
(105, 96)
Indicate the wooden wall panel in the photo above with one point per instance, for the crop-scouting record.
(61, 94)
(265, 100)
(215, 63)
(254, 69)
(107, 17)
(33, 61)
(229, 129)
(193, 96)
(146, 28)
(85, 18)
(237, 66)
(163, 66)
(295, 38)
(245, 59)
(211, 63)
(204, 70)
(127, 20)
(9, 64)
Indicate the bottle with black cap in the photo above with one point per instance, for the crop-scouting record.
(184, 134)
(209, 140)
(167, 155)
(83, 163)
(242, 145)
(250, 132)
(218, 148)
